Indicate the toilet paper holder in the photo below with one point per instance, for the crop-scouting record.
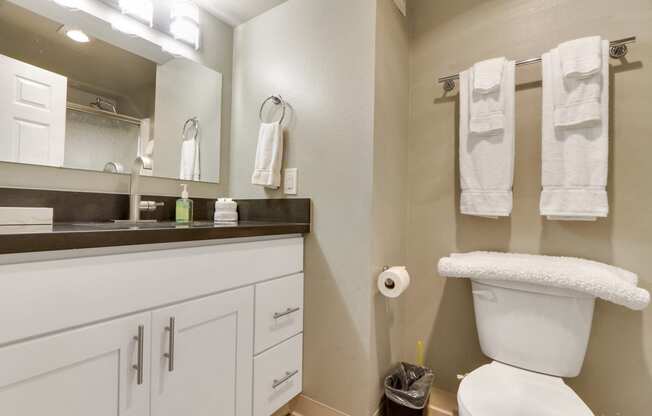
(389, 283)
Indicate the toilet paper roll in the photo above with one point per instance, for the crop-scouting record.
(393, 281)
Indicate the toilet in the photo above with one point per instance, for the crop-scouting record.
(536, 335)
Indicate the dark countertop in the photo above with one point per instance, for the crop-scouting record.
(82, 220)
(68, 236)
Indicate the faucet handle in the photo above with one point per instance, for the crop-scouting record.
(150, 205)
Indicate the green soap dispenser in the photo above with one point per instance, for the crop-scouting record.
(184, 207)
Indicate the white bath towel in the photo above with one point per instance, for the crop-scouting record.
(189, 166)
(488, 75)
(574, 160)
(581, 57)
(585, 276)
(487, 161)
(269, 156)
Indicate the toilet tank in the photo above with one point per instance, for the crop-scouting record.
(533, 327)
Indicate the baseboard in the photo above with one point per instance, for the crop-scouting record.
(305, 406)
(442, 403)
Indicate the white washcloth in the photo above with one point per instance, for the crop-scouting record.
(269, 156)
(189, 166)
(593, 278)
(581, 57)
(487, 161)
(574, 160)
(488, 75)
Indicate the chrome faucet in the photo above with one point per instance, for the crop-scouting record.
(136, 205)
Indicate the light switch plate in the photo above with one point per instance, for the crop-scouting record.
(290, 181)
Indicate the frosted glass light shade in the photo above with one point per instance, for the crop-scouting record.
(126, 25)
(185, 8)
(185, 22)
(140, 9)
(71, 4)
(186, 31)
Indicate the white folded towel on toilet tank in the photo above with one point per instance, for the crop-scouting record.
(585, 276)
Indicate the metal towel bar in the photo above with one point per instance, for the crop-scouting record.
(618, 49)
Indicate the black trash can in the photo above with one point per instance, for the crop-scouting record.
(407, 390)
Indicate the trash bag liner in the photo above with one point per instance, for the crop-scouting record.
(409, 385)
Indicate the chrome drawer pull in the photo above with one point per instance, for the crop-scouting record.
(288, 375)
(170, 354)
(140, 338)
(287, 312)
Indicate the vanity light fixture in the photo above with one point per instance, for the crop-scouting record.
(185, 22)
(142, 10)
(126, 25)
(71, 4)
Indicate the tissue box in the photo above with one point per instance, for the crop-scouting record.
(25, 216)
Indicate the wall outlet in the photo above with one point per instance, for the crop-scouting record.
(290, 181)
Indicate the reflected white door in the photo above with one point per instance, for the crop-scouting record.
(211, 345)
(82, 372)
(32, 113)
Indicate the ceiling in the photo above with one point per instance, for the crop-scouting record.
(233, 12)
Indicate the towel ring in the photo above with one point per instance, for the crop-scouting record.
(276, 100)
(194, 123)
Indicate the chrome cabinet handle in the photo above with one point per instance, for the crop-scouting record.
(170, 354)
(288, 375)
(287, 312)
(139, 367)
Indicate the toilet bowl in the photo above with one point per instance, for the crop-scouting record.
(499, 389)
(536, 335)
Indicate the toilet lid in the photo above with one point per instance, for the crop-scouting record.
(498, 389)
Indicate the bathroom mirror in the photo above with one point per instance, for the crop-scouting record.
(92, 88)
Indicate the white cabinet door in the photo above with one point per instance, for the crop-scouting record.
(203, 365)
(81, 372)
(32, 113)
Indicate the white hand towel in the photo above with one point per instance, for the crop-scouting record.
(189, 166)
(581, 57)
(487, 108)
(488, 75)
(576, 100)
(487, 161)
(574, 160)
(269, 156)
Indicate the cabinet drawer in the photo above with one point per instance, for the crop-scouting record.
(279, 311)
(277, 376)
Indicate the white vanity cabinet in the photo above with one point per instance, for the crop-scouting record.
(81, 372)
(212, 330)
(201, 356)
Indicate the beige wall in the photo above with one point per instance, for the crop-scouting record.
(389, 208)
(344, 134)
(448, 36)
(217, 54)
